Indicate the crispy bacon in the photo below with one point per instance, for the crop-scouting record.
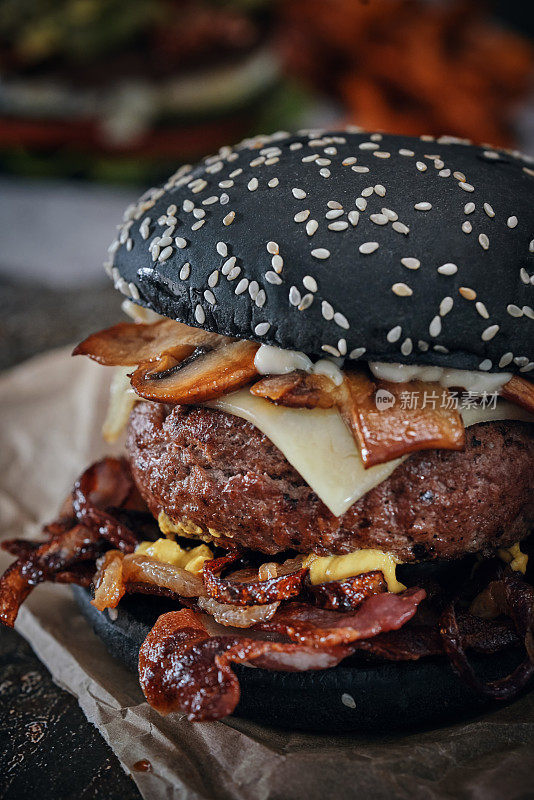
(515, 598)
(104, 486)
(318, 627)
(347, 594)
(247, 590)
(129, 344)
(519, 391)
(207, 377)
(182, 668)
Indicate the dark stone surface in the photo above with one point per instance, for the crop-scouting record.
(46, 744)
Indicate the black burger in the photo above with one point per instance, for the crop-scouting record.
(329, 465)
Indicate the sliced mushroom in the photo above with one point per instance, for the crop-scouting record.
(519, 391)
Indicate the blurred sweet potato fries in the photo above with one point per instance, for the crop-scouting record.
(410, 66)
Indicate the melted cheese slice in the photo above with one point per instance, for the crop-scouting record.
(318, 444)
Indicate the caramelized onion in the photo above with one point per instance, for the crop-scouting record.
(236, 616)
(145, 569)
(109, 585)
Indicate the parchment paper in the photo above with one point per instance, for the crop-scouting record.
(51, 410)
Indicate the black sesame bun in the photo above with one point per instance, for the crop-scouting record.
(371, 246)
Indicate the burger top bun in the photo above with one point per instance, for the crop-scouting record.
(363, 245)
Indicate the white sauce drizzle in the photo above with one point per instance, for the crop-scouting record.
(471, 380)
(271, 360)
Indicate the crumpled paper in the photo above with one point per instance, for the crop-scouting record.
(51, 409)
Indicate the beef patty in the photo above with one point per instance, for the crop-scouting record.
(221, 472)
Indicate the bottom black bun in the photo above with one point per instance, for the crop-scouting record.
(354, 696)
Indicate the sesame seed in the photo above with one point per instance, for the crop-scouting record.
(422, 345)
(224, 199)
(234, 273)
(490, 155)
(323, 162)
(445, 306)
(467, 187)
(340, 225)
(411, 263)
(489, 210)
(468, 293)
(261, 297)
(213, 278)
(272, 277)
(222, 249)
(368, 191)
(252, 185)
(199, 186)
(198, 224)
(299, 194)
(438, 163)
(423, 206)
(434, 328)
(360, 170)
(326, 310)
(165, 254)
(482, 310)
(272, 248)
(307, 159)
(302, 216)
(306, 302)
(341, 320)
(200, 314)
(514, 310)
(483, 241)
(228, 265)
(185, 271)
(485, 365)
(342, 347)
(369, 146)
(165, 241)
(379, 219)
(530, 366)
(528, 171)
(320, 253)
(209, 297)
(361, 203)
(262, 328)
(391, 215)
(506, 359)
(523, 274)
(394, 334)
(188, 206)
(236, 173)
(353, 217)
(400, 227)
(241, 287)
(347, 162)
(406, 347)
(334, 214)
(531, 246)
(309, 283)
(382, 154)
(311, 226)
(448, 269)
(357, 353)
(226, 184)
(209, 201)
(368, 247)
(421, 166)
(444, 173)
(380, 190)
(273, 183)
(229, 218)
(256, 162)
(333, 351)
(402, 290)
(467, 227)
(469, 208)
(404, 152)
(294, 296)
(511, 222)
(528, 311)
(277, 263)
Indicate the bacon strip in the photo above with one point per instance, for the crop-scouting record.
(247, 590)
(347, 594)
(519, 391)
(182, 668)
(515, 598)
(318, 627)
